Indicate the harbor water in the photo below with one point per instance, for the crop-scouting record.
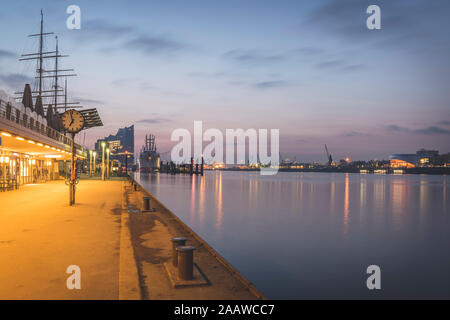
(313, 235)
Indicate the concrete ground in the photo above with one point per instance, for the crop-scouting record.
(41, 235)
(119, 249)
(151, 237)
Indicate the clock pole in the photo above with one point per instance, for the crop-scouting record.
(75, 117)
(73, 175)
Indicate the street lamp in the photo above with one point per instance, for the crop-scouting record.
(107, 163)
(95, 163)
(126, 161)
(90, 163)
(103, 160)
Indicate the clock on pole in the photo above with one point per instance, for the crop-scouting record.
(73, 122)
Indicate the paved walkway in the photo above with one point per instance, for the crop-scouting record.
(119, 249)
(41, 235)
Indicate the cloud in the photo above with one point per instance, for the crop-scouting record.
(270, 84)
(88, 101)
(7, 54)
(433, 130)
(394, 127)
(308, 51)
(213, 75)
(154, 45)
(339, 65)
(330, 64)
(404, 23)
(355, 134)
(95, 30)
(444, 123)
(430, 130)
(153, 121)
(252, 57)
(15, 80)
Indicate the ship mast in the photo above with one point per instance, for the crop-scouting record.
(40, 56)
(41, 45)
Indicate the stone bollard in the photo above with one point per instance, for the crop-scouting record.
(186, 262)
(146, 203)
(177, 242)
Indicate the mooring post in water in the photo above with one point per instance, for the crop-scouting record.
(146, 203)
(177, 242)
(186, 262)
(191, 167)
(196, 168)
(201, 169)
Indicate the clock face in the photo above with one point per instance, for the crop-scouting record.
(72, 121)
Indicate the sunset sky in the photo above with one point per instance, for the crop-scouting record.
(309, 68)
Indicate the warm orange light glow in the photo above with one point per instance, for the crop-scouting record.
(20, 138)
(6, 134)
(31, 141)
(395, 163)
(40, 144)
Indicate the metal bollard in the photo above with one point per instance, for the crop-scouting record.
(135, 186)
(146, 203)
(186, 262)
(177, 242)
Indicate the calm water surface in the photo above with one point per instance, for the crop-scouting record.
(312, 235)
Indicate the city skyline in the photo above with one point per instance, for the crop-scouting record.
(312, 69)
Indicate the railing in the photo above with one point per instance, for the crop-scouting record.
(9, 112)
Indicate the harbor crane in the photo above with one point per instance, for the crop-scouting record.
(330, 159)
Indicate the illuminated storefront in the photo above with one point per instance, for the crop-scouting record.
(30, 150)
(19, 168)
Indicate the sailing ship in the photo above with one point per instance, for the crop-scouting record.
(149, 158)
(48, 97)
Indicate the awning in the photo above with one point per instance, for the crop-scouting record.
(91, 118)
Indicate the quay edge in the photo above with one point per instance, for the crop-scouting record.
(234, 272)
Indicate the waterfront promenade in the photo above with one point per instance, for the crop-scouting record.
(119, 249)
(41, 235)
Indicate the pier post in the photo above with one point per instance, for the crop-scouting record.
(177, 242)
(191, 166)
(186, 262)
(196, 168)
(201, 169)
(146, 203)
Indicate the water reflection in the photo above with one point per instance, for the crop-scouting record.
(316, 232)
(218, 193)
(346, 204)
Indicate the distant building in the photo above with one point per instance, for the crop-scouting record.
(421, 158)
(120, 144)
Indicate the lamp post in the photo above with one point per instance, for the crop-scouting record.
(103, 160)
(107, 163)
(126, 162)
(90, 163)
(95, 163)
